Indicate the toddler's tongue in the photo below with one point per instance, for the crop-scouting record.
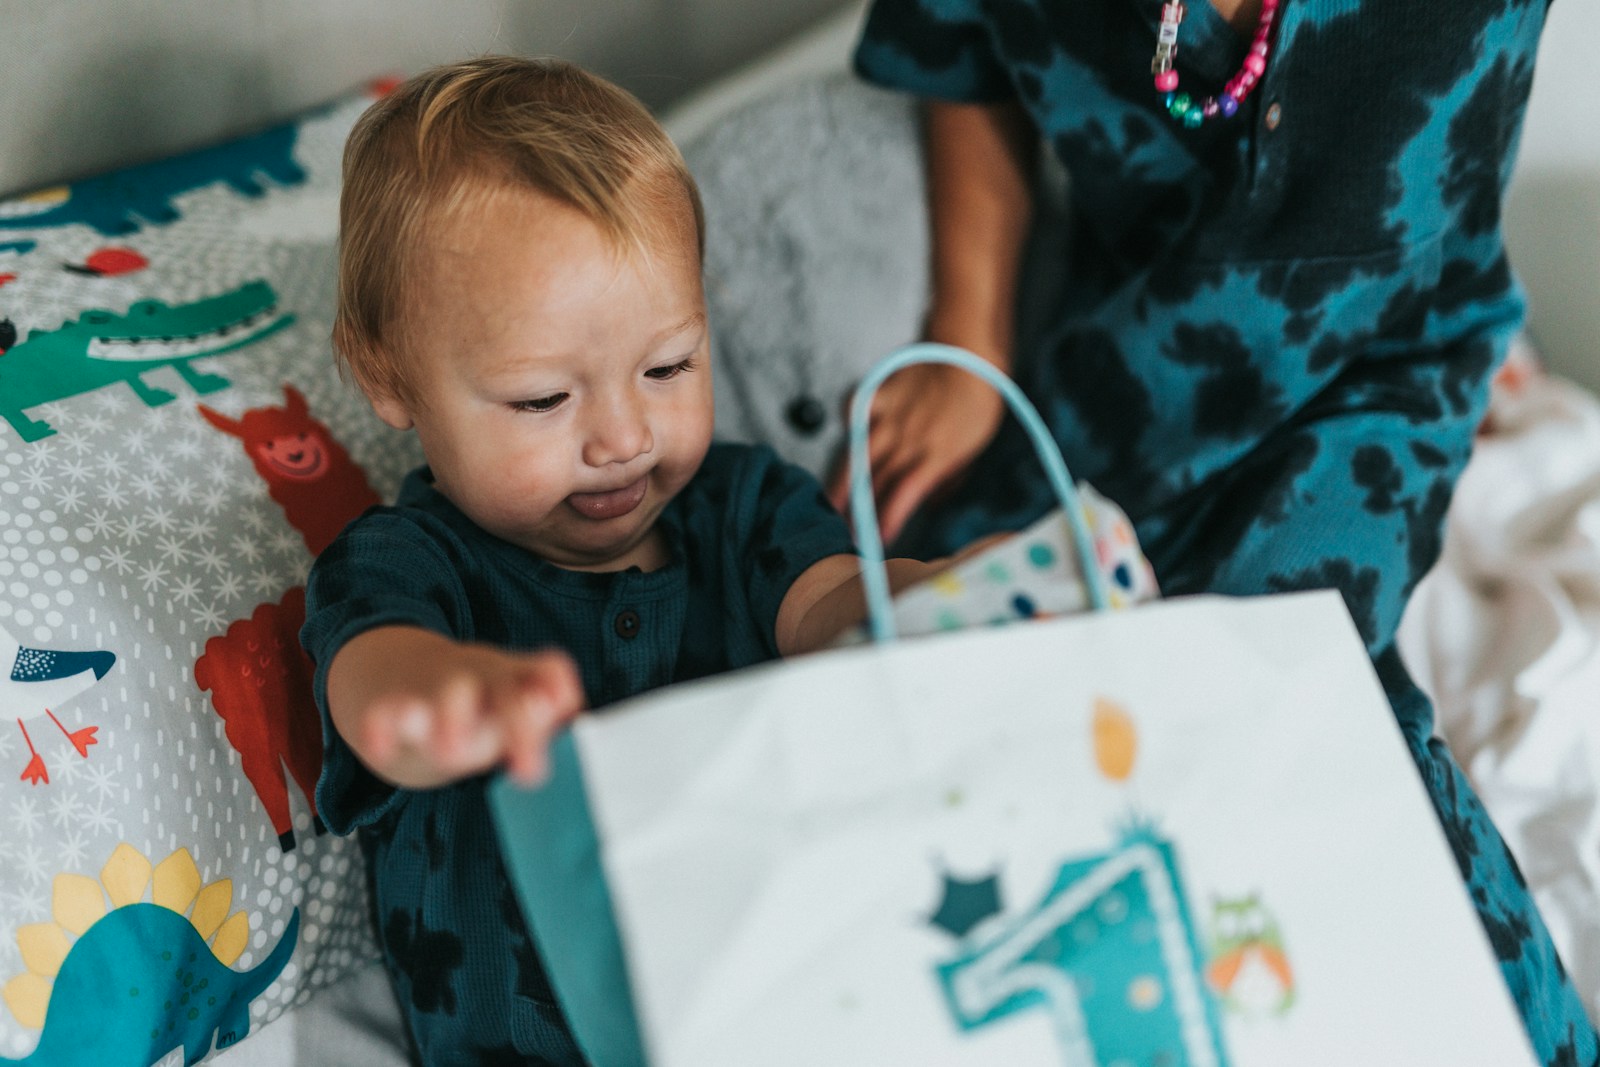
(611, 505)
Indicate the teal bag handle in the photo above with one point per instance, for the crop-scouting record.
(863, 509)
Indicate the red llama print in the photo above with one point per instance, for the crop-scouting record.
(307, 472)
(258, 676)
(260, 683)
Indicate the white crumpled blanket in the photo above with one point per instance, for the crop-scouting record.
(1504, 633)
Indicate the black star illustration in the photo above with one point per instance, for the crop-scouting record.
(966, 904)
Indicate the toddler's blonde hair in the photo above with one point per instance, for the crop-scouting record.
(447, 138)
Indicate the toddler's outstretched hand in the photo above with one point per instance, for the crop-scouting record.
(421, 710)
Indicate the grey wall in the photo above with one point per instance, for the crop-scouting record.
(89, 85)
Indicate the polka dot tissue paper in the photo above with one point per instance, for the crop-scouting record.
(1033, 574)
(175, 447)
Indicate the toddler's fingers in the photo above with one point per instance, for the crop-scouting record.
(464, 738)
(554, 675)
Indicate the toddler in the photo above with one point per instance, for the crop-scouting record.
(519, 283)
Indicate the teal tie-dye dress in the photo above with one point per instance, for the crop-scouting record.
(1268, 338)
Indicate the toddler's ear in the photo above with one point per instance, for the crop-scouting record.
(391, 410)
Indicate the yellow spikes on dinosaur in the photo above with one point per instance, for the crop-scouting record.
(79, 901)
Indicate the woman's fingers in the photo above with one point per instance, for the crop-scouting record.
(901, 501)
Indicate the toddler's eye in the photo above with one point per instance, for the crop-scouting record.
(662, 374)
(543, 403)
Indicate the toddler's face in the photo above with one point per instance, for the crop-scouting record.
(565, 385)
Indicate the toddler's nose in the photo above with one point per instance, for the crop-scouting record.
(617, 434)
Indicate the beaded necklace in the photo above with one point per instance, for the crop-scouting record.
(1180, 105)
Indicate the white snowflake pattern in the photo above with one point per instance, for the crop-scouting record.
(77, 444)
(112, 495)
(55, 413)
(69, 498)
(182, 491)
(99, 523)
(73, 848)
(117, 558)
(186, 447)
(285, 542)
(131, 530)
(153, 577)
(247, 549)
(186, 591)
(26, 902)
(161, 519)
(134, 442)
(101, 819)
(210, 560)
(220, 470)
(147, 486)
(229, 589)
(43, 452)
(172, 550)
(101, 779)
(111, 464)
(209, 617)
(265, 582)
(31, 861)
(93, 424)
(25, 817)
(254, 519)
(77, 470)
(36, 479)
(213, 498)
(64, 808)
(158, 466)
(197, 529)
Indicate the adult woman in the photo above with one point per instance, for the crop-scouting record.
(1286, 292)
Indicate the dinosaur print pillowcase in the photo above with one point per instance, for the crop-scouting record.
(175, 447)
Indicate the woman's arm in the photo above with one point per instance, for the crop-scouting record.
(930, 422)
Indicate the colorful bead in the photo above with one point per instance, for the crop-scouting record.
(1180, 105)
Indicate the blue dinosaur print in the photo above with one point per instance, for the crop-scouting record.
(141, 983)
(119, 202)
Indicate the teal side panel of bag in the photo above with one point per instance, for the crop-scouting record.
(552, 854)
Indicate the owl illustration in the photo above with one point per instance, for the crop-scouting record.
(1248, 968)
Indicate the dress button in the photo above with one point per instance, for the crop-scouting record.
(1274, 116)
(626, 624)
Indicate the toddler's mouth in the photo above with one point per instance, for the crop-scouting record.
(610, 505)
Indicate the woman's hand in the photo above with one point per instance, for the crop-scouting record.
(929, 422)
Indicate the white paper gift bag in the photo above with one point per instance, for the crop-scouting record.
(1187, 834)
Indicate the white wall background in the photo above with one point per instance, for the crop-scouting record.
(1553, 210)
(87, 85)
